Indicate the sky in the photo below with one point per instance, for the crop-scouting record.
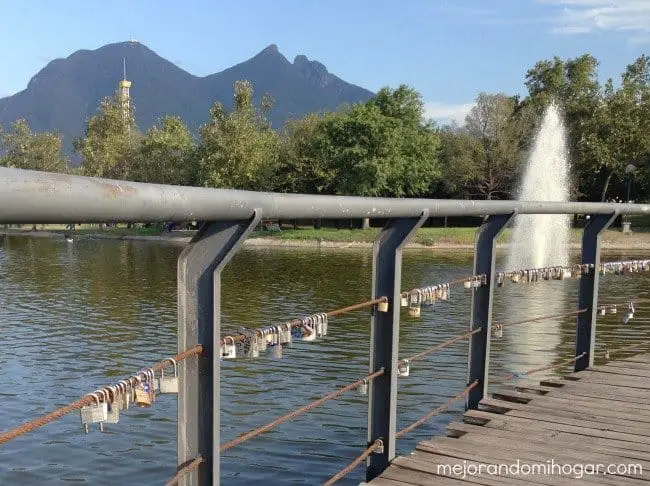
(449, 50)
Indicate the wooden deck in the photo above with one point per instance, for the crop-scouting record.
(599, 416)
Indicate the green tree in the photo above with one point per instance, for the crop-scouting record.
(110, 145)
(380, 148)
(24, 149)
(167, 154)
(240, 149)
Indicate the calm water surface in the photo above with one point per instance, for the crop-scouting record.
(75, 317)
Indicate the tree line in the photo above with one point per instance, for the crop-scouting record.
(383, 147)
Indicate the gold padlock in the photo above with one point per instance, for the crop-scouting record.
(383, 305)
(142, 391)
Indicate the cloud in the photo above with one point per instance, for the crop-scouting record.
(447, 112)
(586, 16)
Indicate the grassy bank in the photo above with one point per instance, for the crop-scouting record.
(432, 237)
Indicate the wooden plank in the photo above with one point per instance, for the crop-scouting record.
(419, 478)
(622, 371)
(569, 410)
(582, 389)
(611, 379)
(561, 439)
(505, 421)
(627, 365)
(577, 400)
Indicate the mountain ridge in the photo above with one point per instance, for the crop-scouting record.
(63, 94)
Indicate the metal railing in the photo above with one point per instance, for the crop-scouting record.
(29, 197)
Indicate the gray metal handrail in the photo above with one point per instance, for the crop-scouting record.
(29, 197)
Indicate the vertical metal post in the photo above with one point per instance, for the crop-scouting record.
(479, 345)
(588, 298)
(199, 322)
(384, 337)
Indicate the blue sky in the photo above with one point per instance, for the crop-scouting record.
(450, 50)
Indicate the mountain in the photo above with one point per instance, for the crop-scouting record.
(66, 92)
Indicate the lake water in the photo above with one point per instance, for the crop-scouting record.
(78, 316)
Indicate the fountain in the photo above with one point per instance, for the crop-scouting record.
(541, 240)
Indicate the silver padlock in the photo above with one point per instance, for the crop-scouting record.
(261, 340)
(94, 413)
(467, 284)
(445, 292)
(284, 334)
(113, 413)
(630, 313)
(415, 302)
(602, 311)
(228, 348)
(363, 388)
(309, 333)
(169, 384)
(152, 379)
(612, 309)
(324, 324)
(497, 331)
(404, 299)
(126, 393)
(403, 369)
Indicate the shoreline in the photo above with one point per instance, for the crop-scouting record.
(636, 243)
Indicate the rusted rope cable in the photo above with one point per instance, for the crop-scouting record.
(333, 313)
(186, 470)
(542, 318)
(513, 376)
(82, 402)
(378, 444)
(442, 345)
(436, 411)
(284, 418)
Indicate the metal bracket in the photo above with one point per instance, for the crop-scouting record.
(588, 297)
(199, 322)
(384, 337)
(479, 345)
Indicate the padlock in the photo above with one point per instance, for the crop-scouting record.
(94, 413)
(363, 388)
(403, 369)
(272, 336)
(261, 340)
(497, 331)
(500, 279)
(126, 393)
(514, 278)
(309, 333)
(152, 379)
(324, 320)
(445, 292)
(248, 346)
(228, 348)
(612, 309)
(404, 300)
(284, 334)
(467, 284)
(602, 311)
(414, 304)
(169, 384)
(383, 306)
(606, 353)
(142, 391)
(113, 413)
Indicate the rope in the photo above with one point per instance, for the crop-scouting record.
(512, 376)
(631, 346)
(542, 318)
(284, 418)
(440, 346)
(333, 313)
(186, 470)
(432, 413)
(87, 400)
(378, 444)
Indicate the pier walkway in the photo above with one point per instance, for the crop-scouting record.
(567, 428)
